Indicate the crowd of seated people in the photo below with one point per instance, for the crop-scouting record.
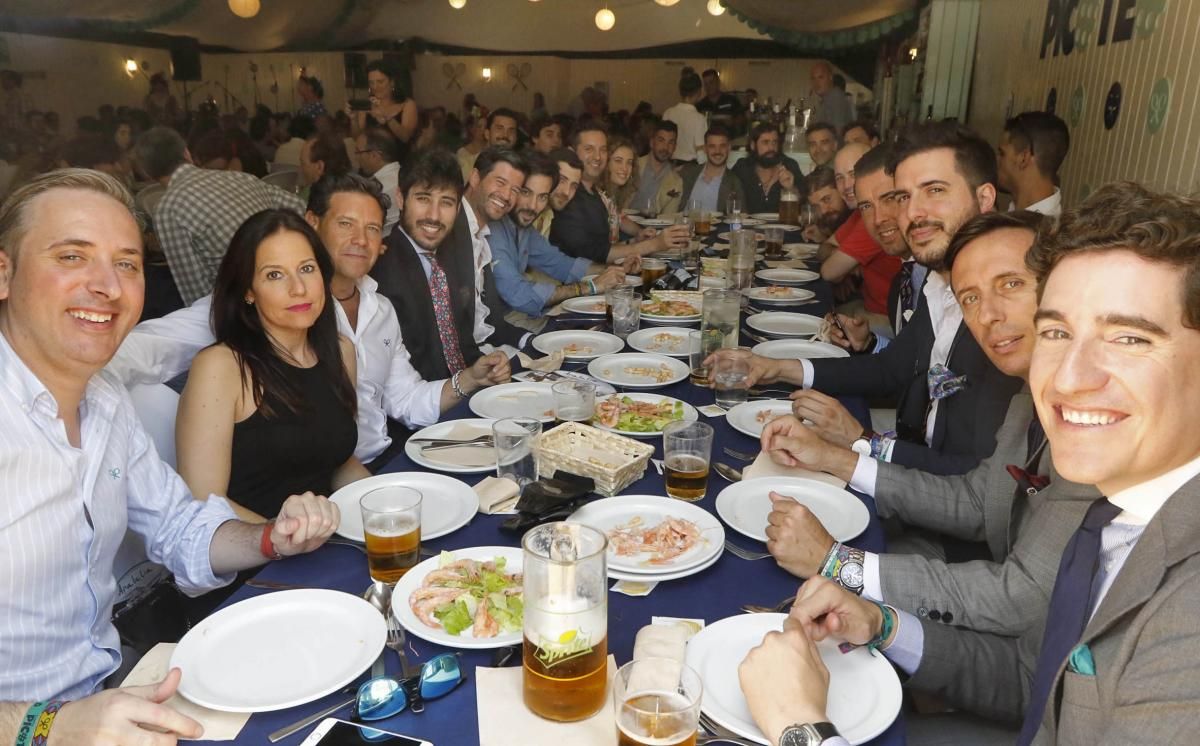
(1036, 463)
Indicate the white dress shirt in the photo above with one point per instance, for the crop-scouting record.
(160, 349)
(689, 144)
(389, 178)
(481, 329)
(1051, 205)
(483, 258)
(64, 513)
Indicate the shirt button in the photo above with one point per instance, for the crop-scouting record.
(947, 617)
(935, 615)
(922, 612)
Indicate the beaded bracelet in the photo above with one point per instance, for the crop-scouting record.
(35, 726)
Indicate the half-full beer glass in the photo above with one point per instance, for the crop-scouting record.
(565, 651)
(392, 526)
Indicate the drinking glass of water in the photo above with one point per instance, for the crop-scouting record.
(626, 313)
(516, 449)
(730, 381)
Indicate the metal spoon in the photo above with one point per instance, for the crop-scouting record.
(727, 472)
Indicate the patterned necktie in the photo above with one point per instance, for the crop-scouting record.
(439, 292)
(906, 294)
(1067, 614)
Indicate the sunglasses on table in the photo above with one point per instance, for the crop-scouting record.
(383, 697)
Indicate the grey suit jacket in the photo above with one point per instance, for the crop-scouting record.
(730, 184)
(1001, 596)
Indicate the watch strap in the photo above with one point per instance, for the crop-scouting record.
(807, 734)
(840, 555)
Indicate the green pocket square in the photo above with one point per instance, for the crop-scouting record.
(1080, 661)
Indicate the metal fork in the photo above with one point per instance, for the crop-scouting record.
(409, 676)
(741, 455)
(720, 734)
(745, 554)
(779, 608)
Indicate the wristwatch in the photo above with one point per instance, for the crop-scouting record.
(807, 734)
(862, 444)
(847, 569)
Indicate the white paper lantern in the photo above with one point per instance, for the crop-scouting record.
(244, 8)
(605, 19)
(715, 7)
(666, 3)
(457, 4)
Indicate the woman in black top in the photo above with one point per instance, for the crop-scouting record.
(391, 108)
(268, 411)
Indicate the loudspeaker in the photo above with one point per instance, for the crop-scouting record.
(185, 59)
(356, 69)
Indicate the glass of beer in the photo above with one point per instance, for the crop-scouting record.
(516, 448)
(657, 703)
(392, 525)
(774, 241)
(701, 344)
(565, 646)
(687, 450)
(574, 401)
(652, 269)
(789, 206)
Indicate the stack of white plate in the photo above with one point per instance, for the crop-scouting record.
(646, 512)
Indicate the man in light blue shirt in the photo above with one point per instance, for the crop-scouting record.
(517, 247)
(77, 469)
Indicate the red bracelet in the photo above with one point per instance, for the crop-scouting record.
(265, 545)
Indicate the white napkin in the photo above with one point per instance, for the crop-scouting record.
(154, 666)
(763, 466)
(553, 361)
(667, 641)
(497, 495)
(505, 721)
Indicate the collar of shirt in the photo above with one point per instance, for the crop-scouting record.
(1051, 205)
(29, 389)
(368, 305)
(943, 306)
(181, 173)
(479, 234)
(1140, 503)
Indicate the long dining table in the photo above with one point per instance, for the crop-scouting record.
(712, 594)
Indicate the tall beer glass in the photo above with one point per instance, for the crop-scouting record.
(565, 651)
(392, 526)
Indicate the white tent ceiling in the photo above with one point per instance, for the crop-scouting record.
(501, 25)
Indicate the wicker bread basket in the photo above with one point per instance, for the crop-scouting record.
(613, 461)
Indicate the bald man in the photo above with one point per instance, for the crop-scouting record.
(833, 105)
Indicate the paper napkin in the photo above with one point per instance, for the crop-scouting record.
(763, 466)
(153, 668)
(505, 721)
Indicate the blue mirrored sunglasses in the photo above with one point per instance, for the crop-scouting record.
(384, 697)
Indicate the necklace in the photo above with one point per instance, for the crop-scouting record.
(348, 297)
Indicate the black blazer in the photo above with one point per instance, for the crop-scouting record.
(965, 430)
(402, 280)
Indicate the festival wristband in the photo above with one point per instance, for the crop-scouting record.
(831, 556)
(265, 545)
(890, 618)
(880, 444)
(35, 725)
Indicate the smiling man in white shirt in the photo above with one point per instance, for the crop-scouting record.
(77, 469)
(1113, 379)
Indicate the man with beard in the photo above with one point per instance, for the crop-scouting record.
(853, 247)
(501, 130)
(822, 142)
(824, 195)
(659, 185)
(570, 174)
(712, 183)
(580, 227)
(517, 247)
(861, 131)
(950, 398)
(347, 212)
(765, 172)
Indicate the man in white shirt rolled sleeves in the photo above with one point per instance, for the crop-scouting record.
(77, 469)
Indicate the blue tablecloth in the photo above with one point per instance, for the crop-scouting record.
(712, 594)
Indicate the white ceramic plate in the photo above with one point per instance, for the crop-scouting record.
(783, 276)
(792, 297)
(587, 344)
(590, 305)
(634, 281)
(689, 319)
(278, 650)
(864, 691)
(652, 222)
(612, 369)
(744, 417)
(772, 216)
(785, 324)
(642, 577)
(784, 226)
(467, 640)
(447, 504)
(441, 430)
(751, 222)
(611, 512)
(796, 349)
(534, 400)
(744, 506)
(689, 413)
(660, 340)
(801, 250)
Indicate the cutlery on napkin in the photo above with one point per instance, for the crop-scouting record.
(466, 455)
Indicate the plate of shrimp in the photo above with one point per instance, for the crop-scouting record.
(653, 537)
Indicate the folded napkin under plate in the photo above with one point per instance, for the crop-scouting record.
(763, 466)
(153, 668)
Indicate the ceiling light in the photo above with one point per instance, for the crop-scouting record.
(715, 7)
(244, 8)
(666, 3)
(457, 4)
(487, 73)
(605, 19)
(131, 66)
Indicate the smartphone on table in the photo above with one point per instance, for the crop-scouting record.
(334, 732)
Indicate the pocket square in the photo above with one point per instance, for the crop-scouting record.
(1080, 661)
(943, 382)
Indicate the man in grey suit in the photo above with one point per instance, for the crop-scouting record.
(995, 502)
(1113, 379)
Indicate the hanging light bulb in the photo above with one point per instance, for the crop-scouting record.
(487, 74)
(666, 3)
(605, 19)
(457, 4)
(131, 66)
(715, 7)
(244, 8)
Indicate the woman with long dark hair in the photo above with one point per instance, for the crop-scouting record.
(391, 107)
(268, 411)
